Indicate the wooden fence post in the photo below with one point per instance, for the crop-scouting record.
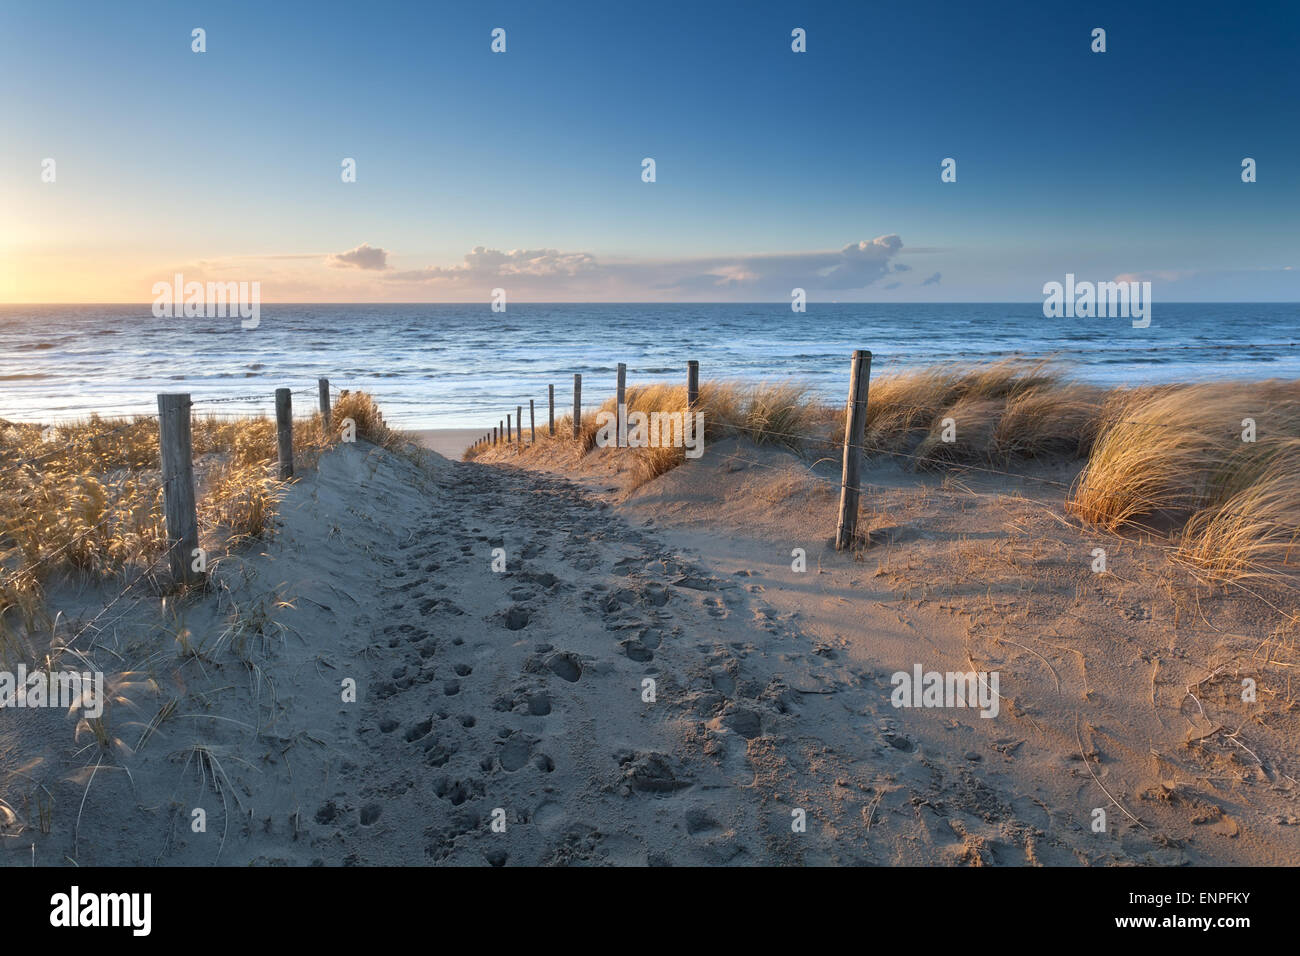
(284, 430)
(577, 404)
(551, 396)
(324, 386)
(618, 405)
(177, 458)
(519, 423)
(532, 422)
(854, 429)
(692, 399)
(510, 430)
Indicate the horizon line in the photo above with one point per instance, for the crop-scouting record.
(487, 302)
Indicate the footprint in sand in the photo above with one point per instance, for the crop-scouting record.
(419, 731)
(516, 618)
(565, 666)
(636, 651)
(515, 753)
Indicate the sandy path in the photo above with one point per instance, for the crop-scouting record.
(522, 691)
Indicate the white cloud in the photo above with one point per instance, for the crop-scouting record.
(364, 256)
(542, 271)
(483, 264)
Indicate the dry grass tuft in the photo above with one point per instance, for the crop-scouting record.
(1008, 409)
(1163, 456)
(1256, 530)
(86, 498)
(966, 431)
(364, 411)
(1175, 457)
(1044, 421)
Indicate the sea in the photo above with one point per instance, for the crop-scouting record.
(465, 366)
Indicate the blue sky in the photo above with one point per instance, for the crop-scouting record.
(769, 163)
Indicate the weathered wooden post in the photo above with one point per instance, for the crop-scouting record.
(501, 428)
(177, 459)
(621, 399)
(532, 422)
(284, 431)
(577, 404)
(324, 386)
(519, 423)
(692, 398)
(551, 397)
(855, 423)
(510, 430)
(496, 435)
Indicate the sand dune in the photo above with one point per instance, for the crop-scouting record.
(503, 716)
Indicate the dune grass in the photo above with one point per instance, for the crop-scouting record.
(947, 414)
(1178, 460)
(86, 498)
(1169, 459)
(1256, 527)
